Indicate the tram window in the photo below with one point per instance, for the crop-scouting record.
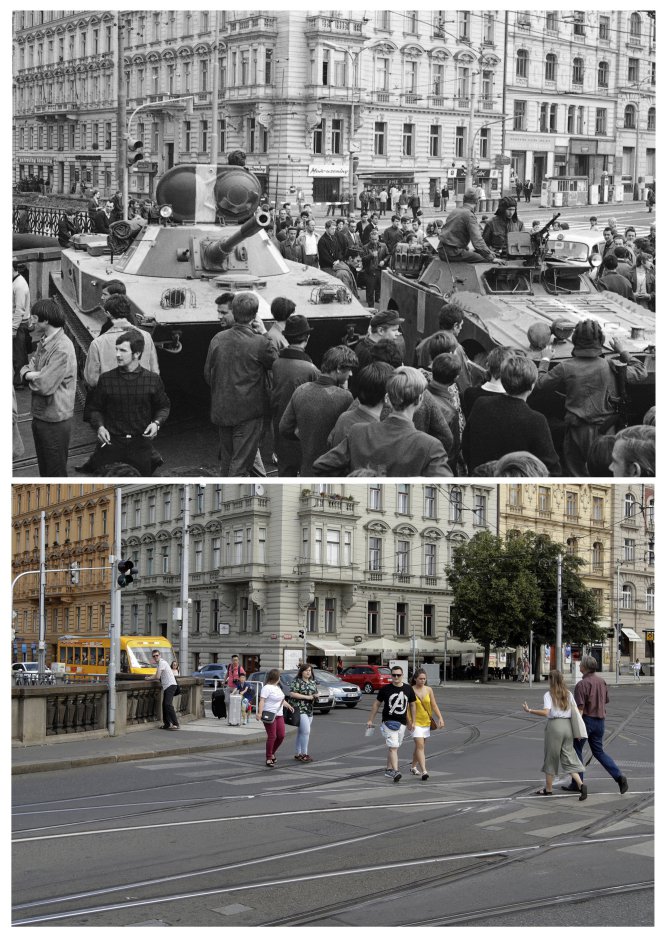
(70, 655)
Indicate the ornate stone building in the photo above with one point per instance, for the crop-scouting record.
(79, 528)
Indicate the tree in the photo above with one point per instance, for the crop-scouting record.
(495, 592)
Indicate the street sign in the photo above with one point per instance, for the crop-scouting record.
(502, 160)
(649, 635)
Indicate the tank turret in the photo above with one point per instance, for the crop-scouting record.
(209, 194)
(214, 251)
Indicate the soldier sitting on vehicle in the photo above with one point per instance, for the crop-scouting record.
(462, 227)
(503, 221)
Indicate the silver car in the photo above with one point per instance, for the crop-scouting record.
(345, 694)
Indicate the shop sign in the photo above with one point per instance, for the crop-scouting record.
(258, 167)
(327, 169)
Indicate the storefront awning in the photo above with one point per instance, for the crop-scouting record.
(331, 647)
(631, 634)
(462, 647)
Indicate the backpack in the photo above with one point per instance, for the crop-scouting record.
(218, 705)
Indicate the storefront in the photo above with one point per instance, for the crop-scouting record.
(329, 181)
(373, 181)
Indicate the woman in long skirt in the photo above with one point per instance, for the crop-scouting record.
(558, 738)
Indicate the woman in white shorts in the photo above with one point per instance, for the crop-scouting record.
(426, 705)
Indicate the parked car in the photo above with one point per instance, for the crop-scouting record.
(211, 673)
(28, 672)
(369, 677)
(325, 699)
(346, 694)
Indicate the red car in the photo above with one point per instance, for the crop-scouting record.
(369, 677)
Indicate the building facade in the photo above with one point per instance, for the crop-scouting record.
(79, 528)
(343, 563)
(633, 569)
(327, 102)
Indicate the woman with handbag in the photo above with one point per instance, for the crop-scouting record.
(304, 693)
(270, 712)
(426, 704)
(560, 710)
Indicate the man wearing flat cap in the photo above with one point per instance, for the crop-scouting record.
(460, 229)
(292, 368)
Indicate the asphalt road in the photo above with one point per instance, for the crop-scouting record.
(219, 839)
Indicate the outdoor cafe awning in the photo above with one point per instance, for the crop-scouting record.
(331, 647)
(631, 634)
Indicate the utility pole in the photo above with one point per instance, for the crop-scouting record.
(184, 585)
(470, 129)
(558, 620)
(618, 623)
(121, 118)
(114, 623)
(41, 647)
(505, 184)
(216, 90)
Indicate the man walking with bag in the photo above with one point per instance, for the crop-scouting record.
(399, 713)
(591, 695)
(167, 678)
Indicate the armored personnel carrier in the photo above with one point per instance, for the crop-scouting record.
(542, 279)
(210, 238)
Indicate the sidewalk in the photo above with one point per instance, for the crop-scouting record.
(204, 735)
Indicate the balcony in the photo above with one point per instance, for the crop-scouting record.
(248, 503)
(436, 100)
(327, 504)
(374, 575)
(404, 578)
(328, 26)
(252, 27)
(429, 581)
(409, 99)
(249, 93)
(462, 103)
(381, 97)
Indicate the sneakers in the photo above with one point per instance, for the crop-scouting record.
(623, 784)
(414, 770)
(570, 789)
(394, 775)
(583, 792)
(424, 777)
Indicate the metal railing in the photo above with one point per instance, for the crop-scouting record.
(45, 220)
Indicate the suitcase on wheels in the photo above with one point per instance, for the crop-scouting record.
(234, 711)
(218, 705)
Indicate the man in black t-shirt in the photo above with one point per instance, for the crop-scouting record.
(399, 712)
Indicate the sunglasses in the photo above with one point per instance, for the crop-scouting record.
(397, 674)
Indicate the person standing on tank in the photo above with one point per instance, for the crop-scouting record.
(236, 370)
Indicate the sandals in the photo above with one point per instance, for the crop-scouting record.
(306, 758)
(425, 776)
(298, 758)
(270, 763)
(544, 793)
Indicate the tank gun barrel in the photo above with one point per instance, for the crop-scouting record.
(214, 253)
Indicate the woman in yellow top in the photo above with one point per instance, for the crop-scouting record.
(426, 705)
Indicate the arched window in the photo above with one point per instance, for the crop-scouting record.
(630, 117)
(652, 119)
(635, 26)
(522, 63)
(551, 67)
(597, 557)
(572, 546)
(629, 505)
(627, 600)
(455, 505)
(649, 599)
(577, 71)
(602, 75)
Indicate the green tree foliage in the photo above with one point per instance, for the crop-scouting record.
(503, 589)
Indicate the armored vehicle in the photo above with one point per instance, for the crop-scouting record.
(209, 237)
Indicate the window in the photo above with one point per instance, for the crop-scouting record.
(604, 28)
(261, 545)
(380, 138)
(336, 136)
(198, 556)
(455, 506)
(317, 544)
(428, 621)
(401, 619)
(633, 70)
(602, 74)
(571, 504)
(463, 79)
(551, 22)
(312, 616)
(408, 139)
(635, 26)
(204, 136)
(382, 74)
(435, 140)
(543, 500)
(460, 141)
(630, 117)
(601, 121)
(652, 119)
(580, 120)
(411, 77)
(629, 505)
(383, 20)
(402, 557)
(340, 73)
(519, 110)
(375, 553)
(333, 547)
(484, 143)
(464, 25)
(216, 552)
(629, 550)
(375, 497)
(597, 557)
(522, 63)
(577, 71)
(579, 23)
(430, 501)
(438, 79)
(480, 510)
(597, 508)
(649, 599)
(627, 598)
(411, 21)
(572, 546)
(543, 118)
(430, 559)
(137, 513)
(150, 551)
(551, 67)
(403, 499)
(245, 607)
(238, 547)
(268, 67)
(373, 617)
(329, 616)
(488, 28)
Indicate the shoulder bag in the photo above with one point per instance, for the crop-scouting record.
(292, 717)
(267, 716)
(577, 724)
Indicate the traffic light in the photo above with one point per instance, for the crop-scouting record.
(74, 573)
(125, 573)
(134, 151)
(301, 634)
